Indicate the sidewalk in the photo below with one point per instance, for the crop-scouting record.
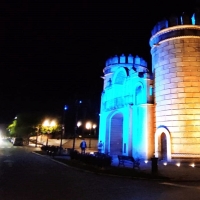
(176, 171)
(184, 172)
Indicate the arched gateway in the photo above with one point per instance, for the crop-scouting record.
(163, 144)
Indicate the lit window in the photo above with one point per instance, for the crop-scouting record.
(151, 90)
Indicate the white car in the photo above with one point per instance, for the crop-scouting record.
(12, 140)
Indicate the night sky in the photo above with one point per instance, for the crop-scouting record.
(54, 52)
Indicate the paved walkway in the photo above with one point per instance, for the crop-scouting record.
(183, 172)
(175, 170)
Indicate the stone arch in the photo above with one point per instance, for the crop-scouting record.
(162, 132)
(114, 133)
(120, 76)
(139, 94)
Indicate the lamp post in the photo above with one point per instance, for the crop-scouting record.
(76, 119)
(63, 129)
(89, 127)
(48, 124)
(37, 132)
(94, 127)
(79, 123)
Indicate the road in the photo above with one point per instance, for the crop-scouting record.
(27, 176)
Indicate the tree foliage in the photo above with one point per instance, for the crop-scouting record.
(30, 124)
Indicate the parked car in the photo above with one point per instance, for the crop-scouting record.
(12, 140)
(18, 141)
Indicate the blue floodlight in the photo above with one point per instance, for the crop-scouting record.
(65, 108)
(193, 19)
(80, 101)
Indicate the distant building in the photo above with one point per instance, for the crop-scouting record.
(144, 114)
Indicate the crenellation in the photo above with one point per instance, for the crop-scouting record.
(127, 60)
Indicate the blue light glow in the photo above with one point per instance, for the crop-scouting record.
(65, 108)
(181, 20)
(193, 19)
(124, 116)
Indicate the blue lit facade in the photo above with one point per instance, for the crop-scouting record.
(127, 107)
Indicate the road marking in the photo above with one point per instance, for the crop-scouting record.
(179, 185)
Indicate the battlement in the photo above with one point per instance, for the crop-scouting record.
(184, 19)
(130, 60)
(183, 26)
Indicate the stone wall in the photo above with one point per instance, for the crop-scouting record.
(176, 66)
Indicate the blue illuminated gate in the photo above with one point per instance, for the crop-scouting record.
(116, 133)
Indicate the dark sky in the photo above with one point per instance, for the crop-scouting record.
(53, 52)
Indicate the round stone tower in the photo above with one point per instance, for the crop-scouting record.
(175, 49)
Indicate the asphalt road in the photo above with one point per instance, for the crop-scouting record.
(27, 176)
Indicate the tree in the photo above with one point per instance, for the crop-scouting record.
(31, 124)
(12, 128)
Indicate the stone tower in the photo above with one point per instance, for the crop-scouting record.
(175, 49)
(126, 117)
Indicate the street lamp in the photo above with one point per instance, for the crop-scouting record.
(94, 127)
(88, 126)
(48, 124)
(63, 129)
(37, 133)
(79, 123)
(76, 125)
